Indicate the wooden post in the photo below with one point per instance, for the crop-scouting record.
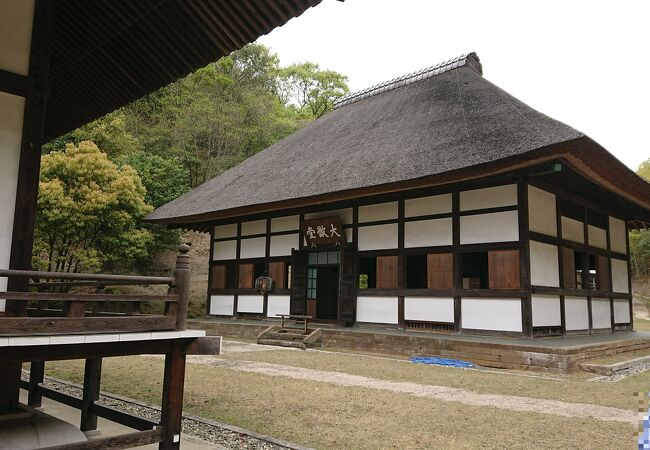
(172, 398)
(36, 374)
(92, 382)
(182, 283)
(9, 386)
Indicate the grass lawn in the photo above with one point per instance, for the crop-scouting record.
(326, 416)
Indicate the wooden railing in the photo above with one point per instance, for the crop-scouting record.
(50, 312)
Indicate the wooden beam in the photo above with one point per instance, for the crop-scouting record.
(15, 84)
(36, 374)
(172, 399)
(207, 345)
(26, 326)
(92, 382)
(129, 440)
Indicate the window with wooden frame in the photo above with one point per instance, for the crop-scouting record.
(223, 276)
(494, 269)
(432, 271)
(367, 272)
(581, 270)
(248, 273)
(280, 272)
(378, 272)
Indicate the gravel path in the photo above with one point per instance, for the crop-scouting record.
(623, 373)
(223, 435)
(444, 393)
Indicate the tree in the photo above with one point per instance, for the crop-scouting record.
(88, 212)
(312, 89)
(640, 240)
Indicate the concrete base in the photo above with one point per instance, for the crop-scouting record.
(554, 354)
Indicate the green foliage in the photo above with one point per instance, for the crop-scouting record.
(640, 240)
(88, 212)
(644, 170)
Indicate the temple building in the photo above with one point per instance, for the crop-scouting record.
(435, 201)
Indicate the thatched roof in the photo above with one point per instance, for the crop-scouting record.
(439, 121)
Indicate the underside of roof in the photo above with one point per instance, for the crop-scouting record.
(441, 125)
(106, 53)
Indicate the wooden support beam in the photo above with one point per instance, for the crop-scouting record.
(172, 398)
(9, 386)
(182, 274)
(130, 440)
(92, 382)
(25, 326)
(15, 84)
(36, 374)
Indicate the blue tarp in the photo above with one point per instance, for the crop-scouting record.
(440, 361)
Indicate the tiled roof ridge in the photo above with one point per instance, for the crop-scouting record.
(409, 78)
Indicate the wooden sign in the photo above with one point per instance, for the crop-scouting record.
(323, 232)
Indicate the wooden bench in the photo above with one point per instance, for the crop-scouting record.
(297, 318)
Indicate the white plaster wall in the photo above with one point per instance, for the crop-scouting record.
(620, 282)
(377, 309)
(15, 35)
(253, 248)
(11, 126)
(349, 235)
(250, 303)
(222, 305)
(424, 206)
(542, 217)
(253, 227)
(224, 250)
(617, 235)
(425, 233)
(621, 310)
(544, 266)
(546, 310)
(491, 197)
(493, 227)
(380, 211)
(277, 304)
(225, 231)
(344, 214)
(282, 245)
(597, 236)
(573, 230)
(433, 309)
(500, 314)
(576, 313)
(601, 314)
(377, 237)
(286, 223)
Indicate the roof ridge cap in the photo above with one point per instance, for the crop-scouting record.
(427, 72)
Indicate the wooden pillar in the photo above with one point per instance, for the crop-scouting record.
(182, 283)
(9, 386)
(172, 398)
(92, 383)
(36, 375)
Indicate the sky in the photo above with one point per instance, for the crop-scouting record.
(584, 63)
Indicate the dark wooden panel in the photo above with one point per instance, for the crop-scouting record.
(602, 273)
(299, 281)
(440, 271)
(219, 274)
(503, 269)
(568, 268)
(22, 326)
(311, 307)
(246, 274)
(277, 271)
(348, 285)
(387, 272)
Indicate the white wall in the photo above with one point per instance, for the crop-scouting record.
(576, 313)
(379, 211)
(377, 237)
(15, 35)
(250, 303)
(377, 309)
(621, 310)
(286, 223)
(432, 309)
(11, 126)
(425, 233)
(253, 227)
(601, 314)
(493, 227)
(597, 236)
(542, 213)
(617, 235)
(252, 248)
(546, 310)
(573, 230)
(277, 304)
(224, 250)
(544, 266)
(225, 231)
(344, 214)
(500, 314)
(424, 206)
(491, 197)
(620, 282)
(281, 245)
(222, 305)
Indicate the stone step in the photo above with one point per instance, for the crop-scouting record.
(279, 343)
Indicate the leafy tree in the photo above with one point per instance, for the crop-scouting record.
(312, 89)
(640, 240)
(88, 212)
